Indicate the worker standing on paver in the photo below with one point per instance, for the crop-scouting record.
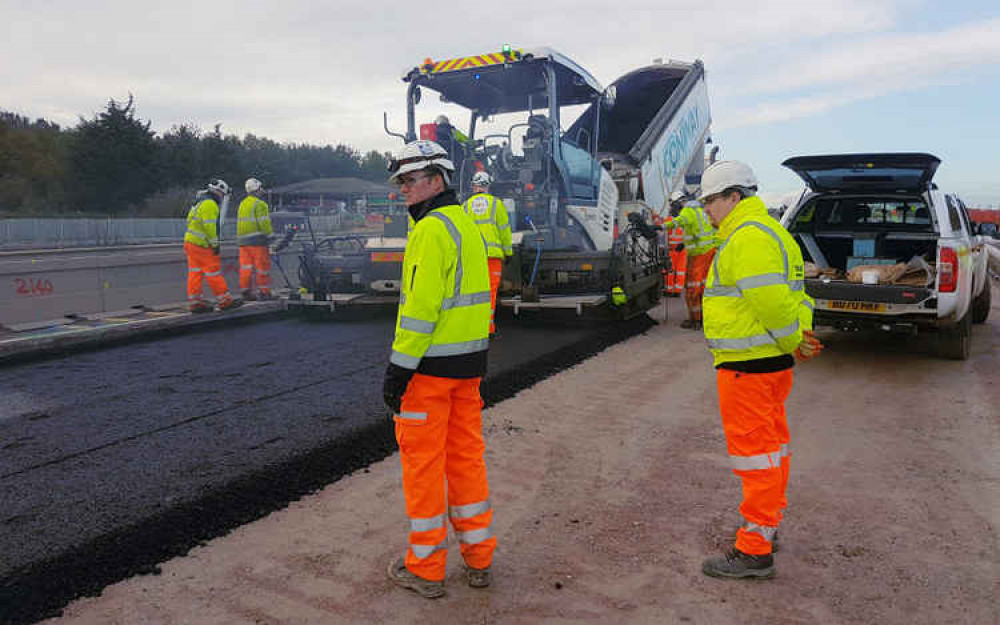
(432, 381)
(201, 246)
(699, 247)
(490, 215)
(757, 315)
(254, 233)
(675, 278)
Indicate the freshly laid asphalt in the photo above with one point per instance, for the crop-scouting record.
(118, 458)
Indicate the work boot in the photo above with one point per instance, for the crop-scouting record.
(266, 296)
(736, 564)
(200, 307)
(687, 324)
(478, 578)
(697, 325)
(248, 296)
(231, 304)
(402, 577)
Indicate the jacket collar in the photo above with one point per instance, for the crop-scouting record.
(752, 206)
(445, 198)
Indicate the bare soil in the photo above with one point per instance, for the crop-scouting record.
(610, 483)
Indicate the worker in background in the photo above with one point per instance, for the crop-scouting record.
(675, 244)
(489, 213)
(451, 138)
(699, 247)
(254, 233)
(432, 381)
(757, 317)
(201, 246)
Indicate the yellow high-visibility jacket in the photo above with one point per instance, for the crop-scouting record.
(203, 224)
(699, 234)
(489, 213)
(443, 322)
(755, 305)
(253, 222)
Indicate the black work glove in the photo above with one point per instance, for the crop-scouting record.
(217, 250)
(679, 248)
(394, 386)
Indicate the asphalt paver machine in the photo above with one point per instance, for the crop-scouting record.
(580, 198)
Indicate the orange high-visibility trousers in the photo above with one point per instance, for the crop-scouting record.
(496, 270)
(756, 427)
(694, 286)
(676, 278)
(440, 434)
(204, 265)
(255, 258)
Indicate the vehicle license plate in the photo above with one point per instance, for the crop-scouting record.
(837, 304)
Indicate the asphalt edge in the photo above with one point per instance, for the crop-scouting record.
(90, 339)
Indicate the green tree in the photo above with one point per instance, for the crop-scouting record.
(113, 160)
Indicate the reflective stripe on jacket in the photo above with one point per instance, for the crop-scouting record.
(490, 215)
(444, 307)
(203, 224)
(699, 235)
(755, 304)
(253, 222)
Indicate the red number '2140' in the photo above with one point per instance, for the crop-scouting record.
(33, 286)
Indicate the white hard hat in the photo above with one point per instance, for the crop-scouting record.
(442, 119)
(418, 155)
(481, 179)
(678, 196)
(218, 185)
(253, 185)
(723, 175)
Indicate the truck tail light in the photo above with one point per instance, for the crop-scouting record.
(947, 270)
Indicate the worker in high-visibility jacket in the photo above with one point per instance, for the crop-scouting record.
(699, 247)
(253, 234)
(758, 319)
(675, 278)
(489, 213)
(432, 381)
(201, 246)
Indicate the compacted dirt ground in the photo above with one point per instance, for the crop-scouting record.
(610, 483)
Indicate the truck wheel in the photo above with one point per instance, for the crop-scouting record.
(955, 342)
(981, 305)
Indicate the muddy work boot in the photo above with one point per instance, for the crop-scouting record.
(231, 304)
(248, 296)
(478, 578)
(200, 307)
(688, 324)
(266, 296)
(736, 564)
(402, 577)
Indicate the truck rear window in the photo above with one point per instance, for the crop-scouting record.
(909, 214)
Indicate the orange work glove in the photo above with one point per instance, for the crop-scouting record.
(810, 347)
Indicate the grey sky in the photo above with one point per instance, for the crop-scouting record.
(324, 72)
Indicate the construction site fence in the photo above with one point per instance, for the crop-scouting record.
(66, 233)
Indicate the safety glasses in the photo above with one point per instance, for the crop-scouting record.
(411, 179)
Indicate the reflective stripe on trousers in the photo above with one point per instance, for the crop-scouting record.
(757, 438)
(439, 431)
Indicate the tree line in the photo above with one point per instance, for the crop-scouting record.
(114, 164)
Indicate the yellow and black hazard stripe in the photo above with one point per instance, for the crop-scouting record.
(470, 62)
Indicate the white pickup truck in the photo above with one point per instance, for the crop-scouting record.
(884, 209)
